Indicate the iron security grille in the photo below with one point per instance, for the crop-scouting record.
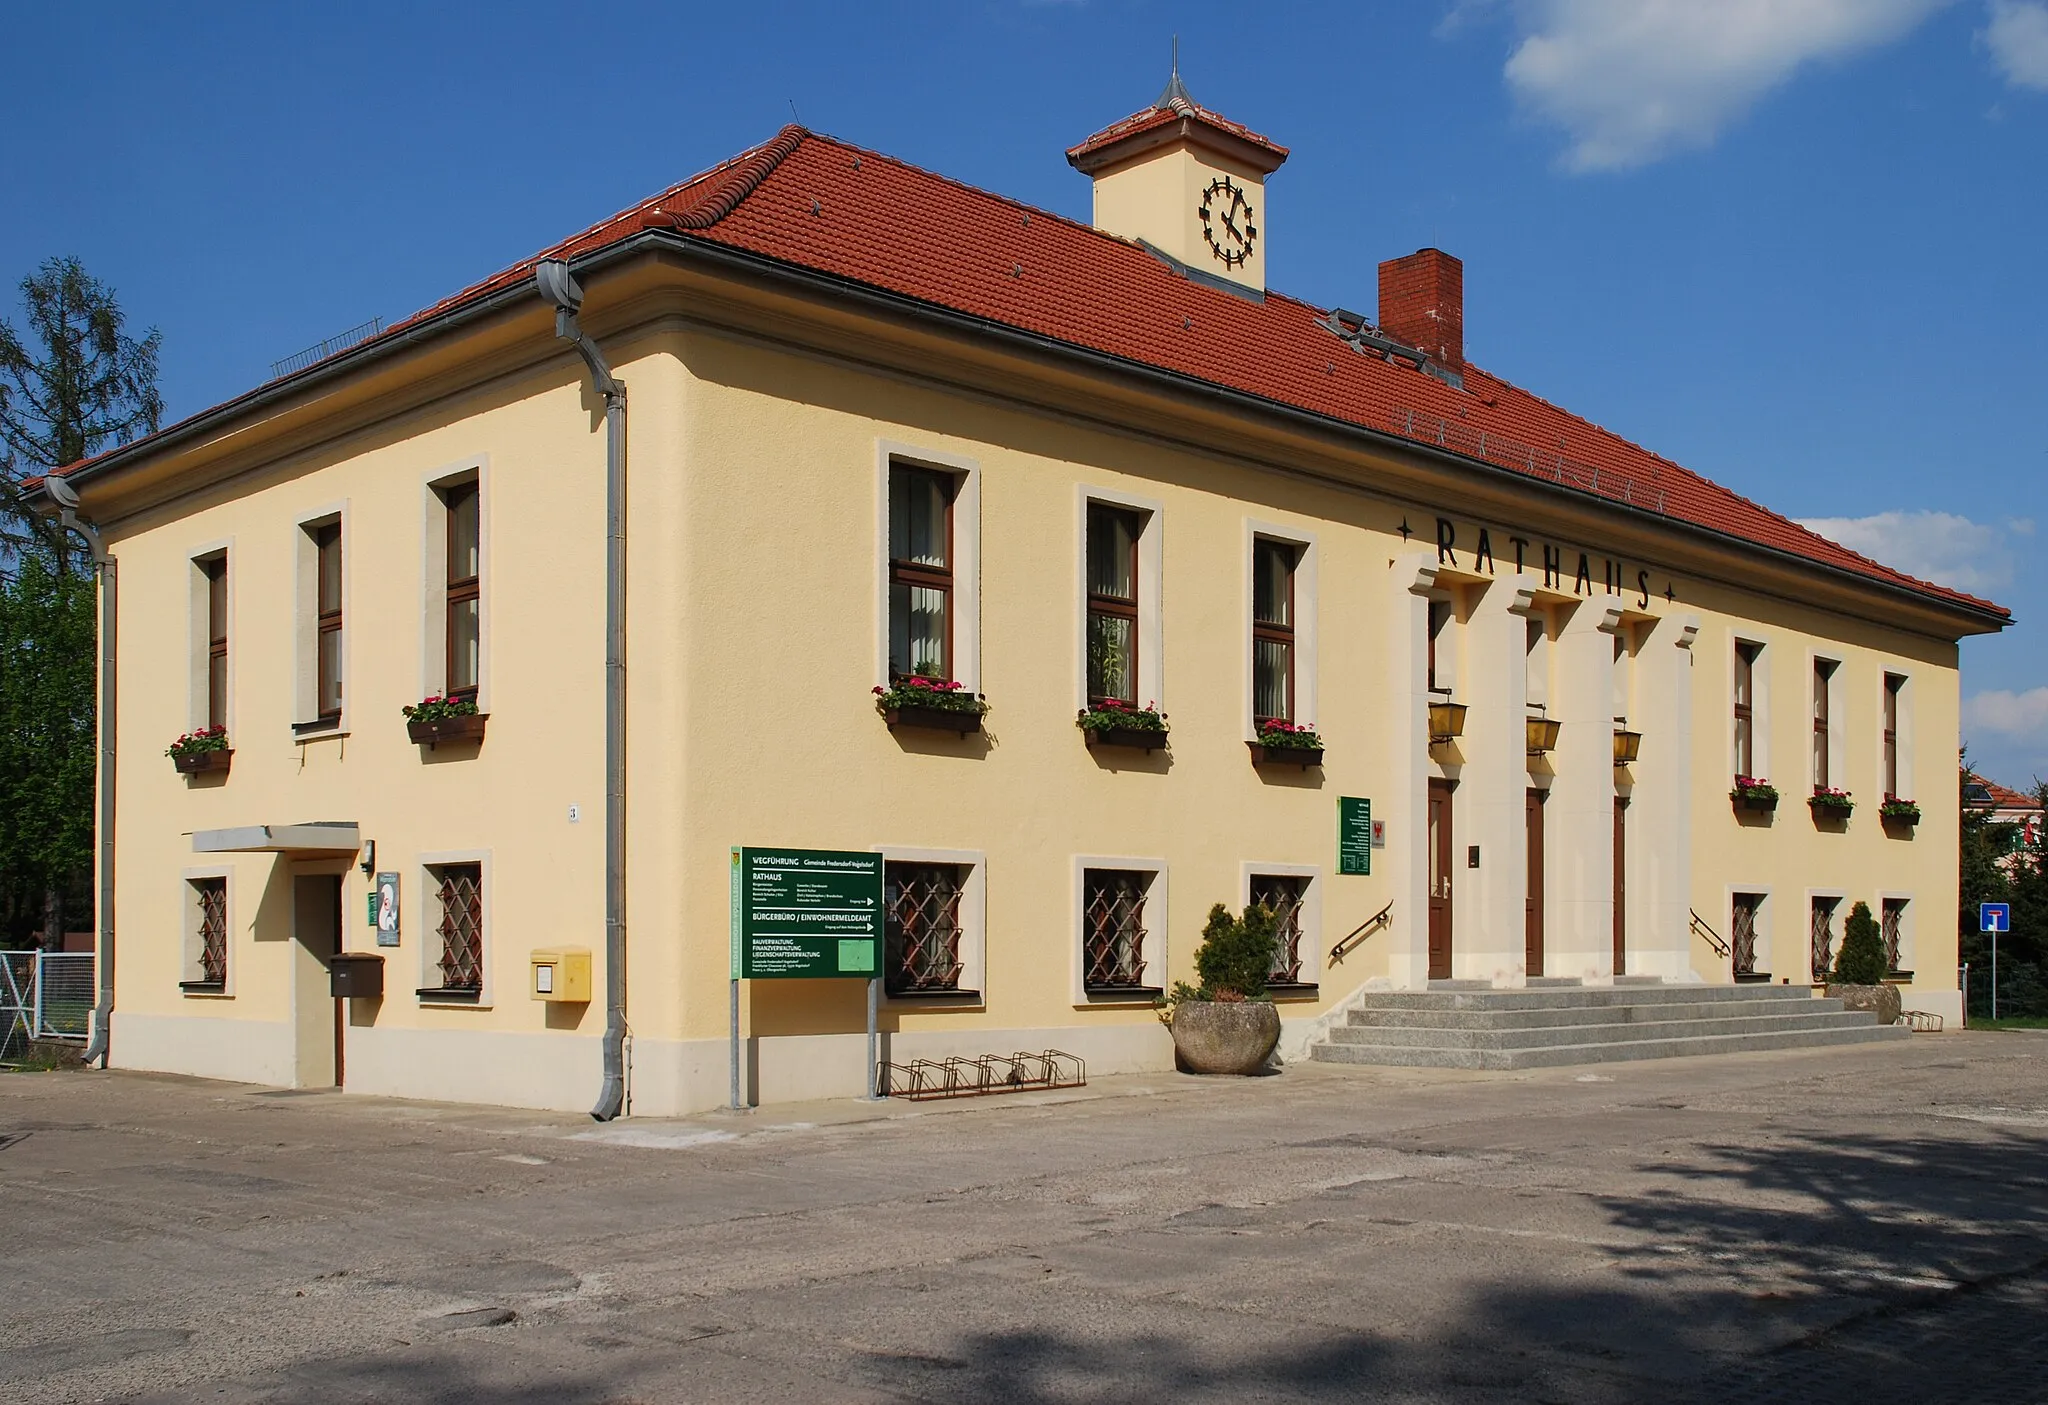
(1114, 911)
(1744, 935)
(1282, 896)
(1894, 911)
(923, 926)
(462, 927)
(1823, 938)
(213, 929)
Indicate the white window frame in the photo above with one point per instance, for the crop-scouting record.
(1156, 912)
(1908, 956)
(1904, 731)
(434, 483)
(1838, 718)
(306, 622)
(428, 916)
(1307, 711)
(1151, 685)
(1759, 709)
(188, 929)
(973, 925)
(1766, 938)
(201, 641)
(966, 563)
(1311, 910)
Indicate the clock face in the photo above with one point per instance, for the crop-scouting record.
(1227, 222)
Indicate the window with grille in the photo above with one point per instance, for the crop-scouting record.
(1113, 918)
(1273, 615)
(923, 927)
(209, 935)
(1823, 937)
(1283, 896)
(459, 896)
(1892, 927)
(1742, 932)
(920, 572)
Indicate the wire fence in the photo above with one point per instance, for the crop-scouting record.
(44, 995)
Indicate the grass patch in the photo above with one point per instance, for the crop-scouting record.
(2009, 1022)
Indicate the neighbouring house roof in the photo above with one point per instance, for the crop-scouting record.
(1982, 794)
(816, 203)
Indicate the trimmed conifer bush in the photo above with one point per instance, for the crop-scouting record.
(1236, 954)
(1861, 960)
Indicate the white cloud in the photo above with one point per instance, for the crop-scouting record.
(1935, 546)
(2018, 39)
(1633, 80)
(2008, 713)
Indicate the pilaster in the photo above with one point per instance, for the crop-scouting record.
(1489, 932)
(1579, 816)
(1660, 810)
(1407, 739)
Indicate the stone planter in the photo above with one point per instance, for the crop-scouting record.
(1219, 1037)
(448, 729)
(198, 763)
(1140, 738)
(1879, 1000)
(1266, 754)
(937, 719)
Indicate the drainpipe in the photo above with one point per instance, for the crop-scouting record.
(66, 498)
(551, 277)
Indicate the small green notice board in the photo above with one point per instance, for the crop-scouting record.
(806, 912)
(1354, 835)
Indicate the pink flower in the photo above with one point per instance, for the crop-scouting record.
(880, 690)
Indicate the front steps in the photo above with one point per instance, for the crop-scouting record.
(1467, 1024)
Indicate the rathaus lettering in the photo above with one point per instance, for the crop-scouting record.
(1589, 575)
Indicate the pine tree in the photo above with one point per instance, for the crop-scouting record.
(1861, 960)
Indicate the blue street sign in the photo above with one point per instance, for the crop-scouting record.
(1994, 917)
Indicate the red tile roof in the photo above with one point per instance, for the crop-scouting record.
(1165, 114)
(821, 204)
(2004, 797)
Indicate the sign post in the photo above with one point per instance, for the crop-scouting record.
(806, 914)
(1994, 918)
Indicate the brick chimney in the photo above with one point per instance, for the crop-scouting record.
(1422, 303)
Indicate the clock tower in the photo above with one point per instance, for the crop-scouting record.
(1188, 182)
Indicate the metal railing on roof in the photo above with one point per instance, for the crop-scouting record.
(1618, 485)
(342, 341)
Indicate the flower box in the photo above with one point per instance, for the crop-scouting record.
(1830, 806)
(1274, 754)
(938, 719)
(198, 763)
(1757, 804)
(1111, 723)
(1902, 813)
(467, 727)
(1757, 796)
(1141, 738)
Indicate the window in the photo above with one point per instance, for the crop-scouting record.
(923, 926)
(1891, 925)
(1113, 535)
(215, 569)
(1742, 932)
(920, 572)
(464, 629)
(1893, 685)
(1284, 895)
(1113, 929)
(1440, 613)
(1824, 937)
(459, 930)
(1745, 707)
(1823, 709)
(206, 935)
(1273, 619)
(327, 618)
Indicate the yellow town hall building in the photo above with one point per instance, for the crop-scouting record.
(865, 424)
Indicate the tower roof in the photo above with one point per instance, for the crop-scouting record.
(1176, 115)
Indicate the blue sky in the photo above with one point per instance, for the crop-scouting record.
(1794, 244)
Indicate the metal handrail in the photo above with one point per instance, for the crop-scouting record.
(1699, 924)
(1383, 918)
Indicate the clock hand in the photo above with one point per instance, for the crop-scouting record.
(1231, 225)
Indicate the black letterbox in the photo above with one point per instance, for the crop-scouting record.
(356, 975)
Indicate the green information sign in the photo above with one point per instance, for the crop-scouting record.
(806, 912)
(1354, 835)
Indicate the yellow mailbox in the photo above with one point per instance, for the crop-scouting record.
(562, 974)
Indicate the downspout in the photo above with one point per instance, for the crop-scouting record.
(551, 277)
(66, 498)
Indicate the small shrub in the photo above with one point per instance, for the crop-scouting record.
(1861, 959)
(1236, 953)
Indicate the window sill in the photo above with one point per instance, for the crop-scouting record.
(1293, 990)
(1122, 994)
(319, 729)
(459, 999)
(214, 988)
(935, 997)
(1898, 978)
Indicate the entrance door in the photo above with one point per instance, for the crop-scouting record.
(1439, 880)
(1620, 886)
(1532, 957)
(318, 1018)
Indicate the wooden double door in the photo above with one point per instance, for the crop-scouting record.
(1438, 844)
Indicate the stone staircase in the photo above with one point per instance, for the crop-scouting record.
(1469, 1024)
